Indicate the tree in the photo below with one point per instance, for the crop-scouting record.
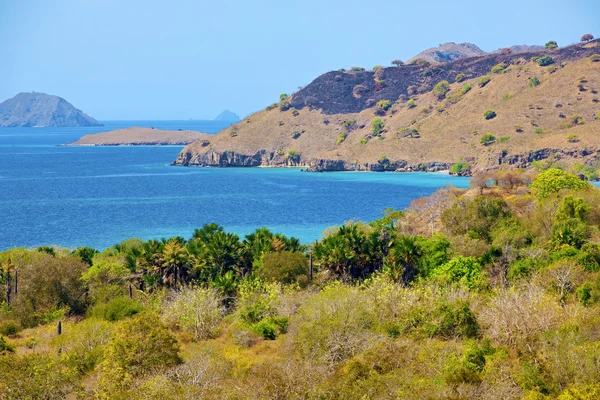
(551, 44)
(404, 257)
(487, 139)
(587, 37)
(397, 63)
(545, 61)
(489, 114)
(47, 284)
(554, 180)
(86, 254)
(173, 263)
(441, 88)
(431, 207)
(286, 267)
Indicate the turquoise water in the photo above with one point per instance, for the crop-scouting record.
(98, 196)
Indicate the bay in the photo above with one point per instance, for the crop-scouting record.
(98, 196)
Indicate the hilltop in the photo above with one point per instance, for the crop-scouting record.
(40, 109)
(544, 107)
(137, 136)
(449, 52)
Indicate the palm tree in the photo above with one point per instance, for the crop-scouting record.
(405, 254)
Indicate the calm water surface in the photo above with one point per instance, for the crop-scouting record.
(98, 196)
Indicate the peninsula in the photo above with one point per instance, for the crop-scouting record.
(138, 136)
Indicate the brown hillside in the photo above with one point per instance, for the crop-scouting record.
(449, 129)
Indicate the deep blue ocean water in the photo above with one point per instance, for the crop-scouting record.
(98, 196)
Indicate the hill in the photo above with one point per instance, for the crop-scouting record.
(227, 115)
(544, 103)
(40, 109)
(449, 52)
(137, 136)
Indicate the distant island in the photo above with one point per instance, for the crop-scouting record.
(42, 110)
(138, 136)
(228, 116)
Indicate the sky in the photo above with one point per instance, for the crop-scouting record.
(182, 59)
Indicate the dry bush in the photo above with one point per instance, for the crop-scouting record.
(194, 309)
(561, 278)
(517, 315)
(334, 325)
(289, 378)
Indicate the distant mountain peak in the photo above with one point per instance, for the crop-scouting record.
(228, 116)
(449, 51)
(40, 109)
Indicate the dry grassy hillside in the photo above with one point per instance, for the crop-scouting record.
(136, 136)
(557, 119)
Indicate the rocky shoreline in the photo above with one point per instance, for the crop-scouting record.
(498, 160)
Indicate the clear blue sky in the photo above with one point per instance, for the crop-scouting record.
(180, 59)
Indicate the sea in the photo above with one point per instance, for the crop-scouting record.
(99, 196)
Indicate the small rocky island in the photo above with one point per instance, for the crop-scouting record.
(42, 110)
(228, 116)
(138, 136)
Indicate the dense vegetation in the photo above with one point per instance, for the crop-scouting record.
(491, 292)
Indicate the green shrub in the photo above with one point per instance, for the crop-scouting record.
(293, 155)
(484, 80)
(270, 328)
(489, 114)
(499, 68)
(384, 104)
(465, 271)
(487, 139)
(257, 300)
(341, 137)
(551, 44)
(518, 128)
(364, 141)
(5, 347)
(284, 105)
(116, 309)
(460, 168)
(441, 88)
(503, 139)
(545, 61)
(377, 124)
(459, 77)
(136, 347)
(411, 103)
(349, 123)
(357, 69)
(595, 58)
(10, 327)
(572, 138)
(533, 82)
